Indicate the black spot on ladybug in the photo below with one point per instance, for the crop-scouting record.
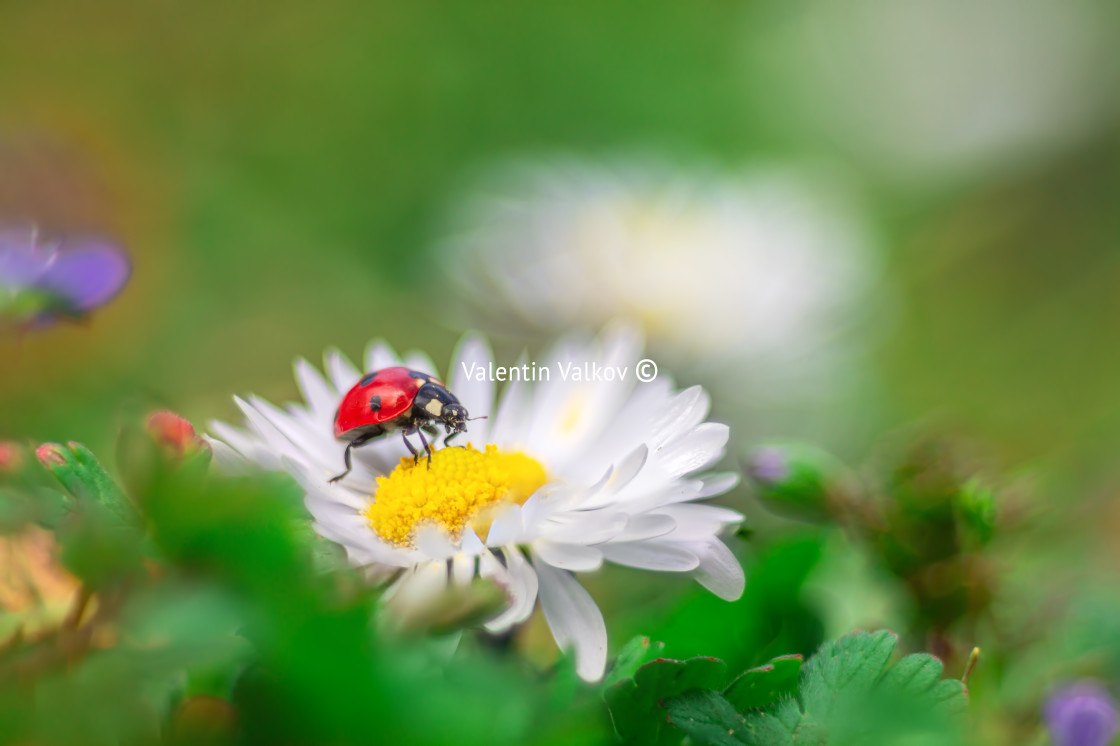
(368, 379)
(375, 403)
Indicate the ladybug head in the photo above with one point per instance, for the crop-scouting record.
(455, 417)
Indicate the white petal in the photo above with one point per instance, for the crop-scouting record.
(519, 581)
(717, 484)
(273, 440)
(568, 556)
(520, 568)
(316, 446)
(618, 479)
(510, 425)
(226, 459)
(380, 355)
(652, 555)
(647, 526)
(583, 527)
(419, 587)
(315, 484)
(506, 528)
(575, 620)
(632, 424)
(247, 445)
(703, 510)
(434, 543)
(462, 569)
(342, 372)
(470, 544)
(628, 468)
(316, 392)
(677, 492)
(719, 571)
(417, 360)
(698, 522)
(547, 501)
(474, 394)
(684, 411)
(363, 545)
(693, 450)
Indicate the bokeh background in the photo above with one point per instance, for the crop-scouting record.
(288, 177)
(282, 178)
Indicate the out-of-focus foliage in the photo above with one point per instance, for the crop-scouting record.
(847, 695)
(203, 613)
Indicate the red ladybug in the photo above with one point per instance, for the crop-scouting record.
(397, 399)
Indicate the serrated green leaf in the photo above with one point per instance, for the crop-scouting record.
(914, 673)
(949, 694)
(79, 471)
(708, 719)
(850, 665)
(633, 655)
(634, 702)
(847, 695)
(763, 686)
(671, 677)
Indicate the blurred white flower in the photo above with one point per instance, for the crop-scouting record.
(761, 268)
(922, 91)
(572, 473)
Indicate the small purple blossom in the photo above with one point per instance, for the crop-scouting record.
(769, 465)
(1081, 714)
(43, 282)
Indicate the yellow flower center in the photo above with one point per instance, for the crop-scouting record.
(462, 487)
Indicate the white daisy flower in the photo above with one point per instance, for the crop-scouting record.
(758, 269)
(562, 476)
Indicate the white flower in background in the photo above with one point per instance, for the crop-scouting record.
(926, 91)
(563, 476)
(760, 268)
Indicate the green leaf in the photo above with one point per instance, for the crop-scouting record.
(770, 619)
(82, 475)
(848, 695)
(763, 686)
(849, 666)
(634, 702)
(708, 718)
(98, 548)
(633, 655)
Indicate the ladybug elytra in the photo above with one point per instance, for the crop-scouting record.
(397, 399)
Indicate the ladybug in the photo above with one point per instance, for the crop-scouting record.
(397, 399)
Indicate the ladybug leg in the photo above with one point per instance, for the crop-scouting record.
(427, 447)
(413, 451)
(346, 458)
(451, 435)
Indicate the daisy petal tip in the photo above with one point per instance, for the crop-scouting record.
(379, 354)
(720, 571)
(592, 665)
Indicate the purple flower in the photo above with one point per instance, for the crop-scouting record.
(769, 465)
(1081, 714)
(43, 282)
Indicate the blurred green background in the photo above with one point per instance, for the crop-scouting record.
(280, 174)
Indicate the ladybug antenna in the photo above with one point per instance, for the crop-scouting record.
(480, 417)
